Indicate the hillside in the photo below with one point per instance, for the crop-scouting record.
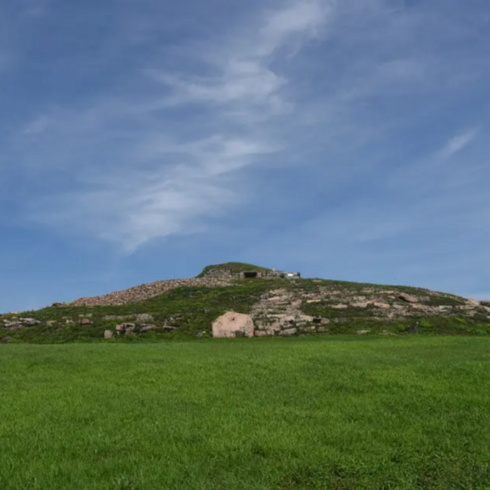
(279, 307)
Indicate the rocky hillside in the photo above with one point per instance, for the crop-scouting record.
(277, 307)
(150, 290)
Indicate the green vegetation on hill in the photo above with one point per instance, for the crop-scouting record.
(233, 267)
(315, 413)
(192, 310)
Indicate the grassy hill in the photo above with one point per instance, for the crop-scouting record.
(324, 306)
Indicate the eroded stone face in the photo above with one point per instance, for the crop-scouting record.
(233, 324)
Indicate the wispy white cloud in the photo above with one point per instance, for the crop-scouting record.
(243, 71)
(177, 149)
(457, 143)
(170, 184)
(39, 125)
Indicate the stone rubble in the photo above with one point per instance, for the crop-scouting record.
(146, 291)
(283, 317)
(278, 312)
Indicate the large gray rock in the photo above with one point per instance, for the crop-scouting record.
(108, 334)
(29, 322)
(230, 324)
(14, 325)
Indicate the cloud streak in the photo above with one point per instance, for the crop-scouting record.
(306, 86)
(457, 143)
(178, 174)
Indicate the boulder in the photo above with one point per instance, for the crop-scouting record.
(420, 307)
(485, 303)
(275, 299)
(29, 322)
(408, 298)
(383, 306)
(473, 302)
(230, 323)
(85, 321)
(445, 308)
(108, 334)
(147, 328)
(361, 304)
(307, 318)
(6, 340)
(13, 325)
(288, 332)
(125, 326)
(363, 332)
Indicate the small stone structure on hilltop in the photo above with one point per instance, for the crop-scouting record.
(253, 274)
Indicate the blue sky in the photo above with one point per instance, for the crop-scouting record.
(143, 140)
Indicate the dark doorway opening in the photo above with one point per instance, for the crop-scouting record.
(250, 275)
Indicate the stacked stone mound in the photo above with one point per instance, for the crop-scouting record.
(150, 290)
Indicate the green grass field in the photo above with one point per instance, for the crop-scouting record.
(304, 413)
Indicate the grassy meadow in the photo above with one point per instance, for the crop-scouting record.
(300, 413)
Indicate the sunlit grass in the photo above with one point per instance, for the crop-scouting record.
(330, 413)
